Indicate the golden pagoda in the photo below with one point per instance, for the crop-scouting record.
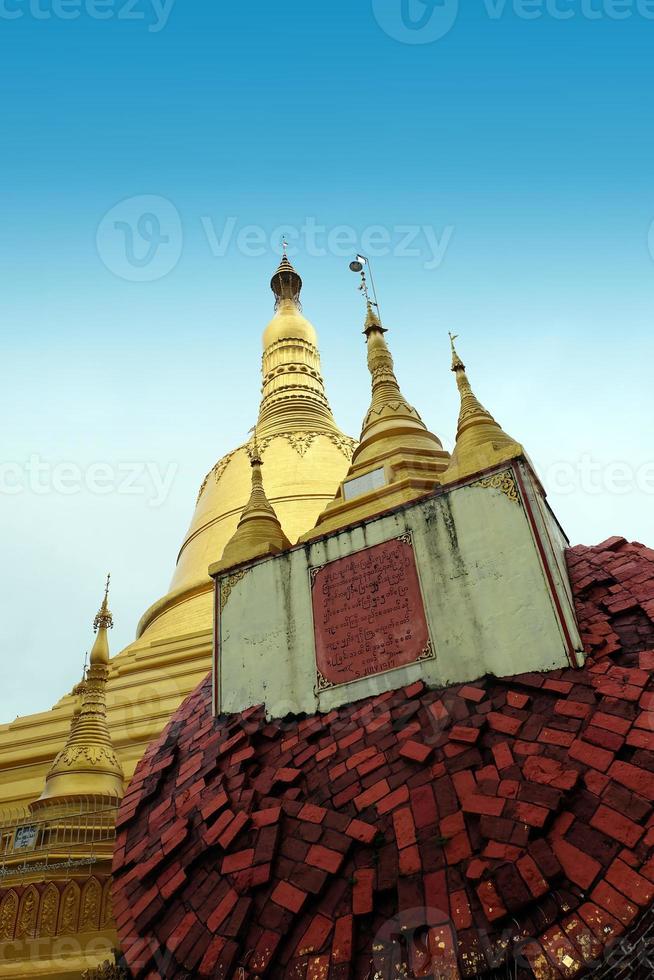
(56, 854)
(306, 456)
(480, 441)
(398, 459)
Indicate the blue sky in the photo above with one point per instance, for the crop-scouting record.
(501, 174)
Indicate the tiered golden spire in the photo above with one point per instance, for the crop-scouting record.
(293, 392)
(398, 459)
(480, 441)
(259, 532)
(87, 765)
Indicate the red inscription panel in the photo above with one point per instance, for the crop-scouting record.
(368, 613)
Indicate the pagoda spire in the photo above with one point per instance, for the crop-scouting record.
(259, 532)
(398, 459)
(480, 440)
(293, 391)
(88, 765)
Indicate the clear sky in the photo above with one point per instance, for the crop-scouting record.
(496, 159)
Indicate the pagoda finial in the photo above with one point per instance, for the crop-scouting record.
(88, 765)
(457, 363)
(259, 532)
(103, 618)
(397, 456)
(480, 440)
(286, 283)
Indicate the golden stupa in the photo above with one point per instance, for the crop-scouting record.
(306, 456)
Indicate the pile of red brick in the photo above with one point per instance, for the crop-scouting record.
(418, 833)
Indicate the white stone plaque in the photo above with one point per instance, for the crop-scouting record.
(364, 484)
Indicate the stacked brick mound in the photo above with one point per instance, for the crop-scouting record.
(499, 828)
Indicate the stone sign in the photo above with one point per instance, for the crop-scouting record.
(368, 613)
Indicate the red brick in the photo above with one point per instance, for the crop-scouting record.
(579, 867)
(572, 709)
(372, 795)
(503, 723)
(502, 755)
(638, 780)
(459, 733)
(405, 830)
(237, 861)
(222, 910)
(617, 826)
(614, 902)
(288, 896)
(394, 799)
(630, 883)
(361, 831)
(324, 858)
(471, 693)
(491, 806)
(611, 722)
(416, 751)
(591, 755)
(311, 813)
(532, 877)
(343, 940)
(552, 736)
(639, 739)
(460, 910)
(316, 935)
(490, 902)
(362, 903)
(515, 700)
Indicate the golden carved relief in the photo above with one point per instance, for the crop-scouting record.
(27, 914)
(69, 911)
(504, 482)
(227, 586)
(48, 911)
(91, 902)
(8, 914)
(107, 905)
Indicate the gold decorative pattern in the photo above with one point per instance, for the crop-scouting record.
(8, 914)
(48, 912)
(91, 753)
(69, 912)
(504, 482)
(107, 905)
(322, 684)
(91, 901)
(216, 471)
(27, 914)
(228, 584)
